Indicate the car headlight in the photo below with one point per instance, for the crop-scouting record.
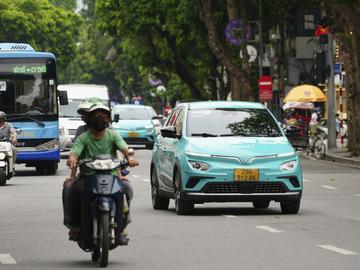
(50, 145)
(289, 165)
(149, 129)
(198, 166)
(2, 156)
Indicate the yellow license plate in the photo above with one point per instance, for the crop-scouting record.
(133, 134)
(246, 175)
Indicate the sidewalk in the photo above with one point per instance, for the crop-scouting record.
(342, 156)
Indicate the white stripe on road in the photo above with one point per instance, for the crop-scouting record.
(329, 187)
(136, 176)
(306, 180)
(358, 195)
(6, 259)
(230, 216)
(146, 180)
(268, 229)
(337, 250)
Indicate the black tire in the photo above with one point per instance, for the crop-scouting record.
(104, 239)
(51, 168)
(261, 204)
(2, 177)
(319, 149)
(40, 169)
(95, 254)
(150, 146)
(290, 207)
(182, 207)
(158, 202)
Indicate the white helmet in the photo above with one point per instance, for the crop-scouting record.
(99, 106)
(2, 115)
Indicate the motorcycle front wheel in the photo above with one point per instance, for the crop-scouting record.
(104, 238)
(319, 149)
(2, 177)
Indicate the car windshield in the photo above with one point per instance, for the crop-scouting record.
(223, 122)
(134, 113)
(70, 110)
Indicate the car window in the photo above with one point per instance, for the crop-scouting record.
(179, 122)
(232, 122)
(134, 113)
(172, 118)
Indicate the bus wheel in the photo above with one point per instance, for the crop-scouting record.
(52, 167)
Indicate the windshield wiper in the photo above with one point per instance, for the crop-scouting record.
(230, 135)
(204, 134)
(40, 123)
(69, 116)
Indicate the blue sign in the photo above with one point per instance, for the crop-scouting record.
(337, 68)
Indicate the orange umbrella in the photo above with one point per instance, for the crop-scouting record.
(305, 93)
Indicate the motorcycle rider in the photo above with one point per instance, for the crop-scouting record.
(97, 140)
(8, 132)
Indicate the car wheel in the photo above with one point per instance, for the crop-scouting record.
(290, 207)
(158, 202)
(261, 204)
(149, 146)
(182, 207)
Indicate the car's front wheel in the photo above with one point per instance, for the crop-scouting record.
(290, 207)
(158, 202)
(182, 207)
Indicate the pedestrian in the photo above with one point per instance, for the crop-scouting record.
(337, 123)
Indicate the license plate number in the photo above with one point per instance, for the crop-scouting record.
(133, 134)
(246, 175)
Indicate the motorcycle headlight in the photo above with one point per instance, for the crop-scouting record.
(2, 156)
(289, 165)
(199, 166)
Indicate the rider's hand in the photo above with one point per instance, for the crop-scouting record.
(72, 161)
(14, 141)
(133, 162)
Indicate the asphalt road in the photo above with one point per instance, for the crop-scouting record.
(324, 235)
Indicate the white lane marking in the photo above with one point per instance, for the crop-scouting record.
(338, 250)
(306, 180)
(358, 195)
(329, 187)
(230, 216)
(268, 229)
(146, 180)
(136, 176)
(6, 259)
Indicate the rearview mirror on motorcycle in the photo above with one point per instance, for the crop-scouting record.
(131, 152)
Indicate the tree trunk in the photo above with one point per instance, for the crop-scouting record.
(239, 80)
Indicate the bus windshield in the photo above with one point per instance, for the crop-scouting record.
(27, 86)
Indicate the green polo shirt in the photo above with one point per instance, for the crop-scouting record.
(86, 146)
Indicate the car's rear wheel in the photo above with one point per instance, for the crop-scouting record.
(182, 207)
(261, 204)
(158, 202)
(290, 207)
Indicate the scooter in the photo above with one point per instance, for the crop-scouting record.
(6, 161)
(102, 208)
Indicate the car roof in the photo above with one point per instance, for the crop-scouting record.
(223, 104)
(130, 106)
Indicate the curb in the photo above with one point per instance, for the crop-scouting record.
(333, 159)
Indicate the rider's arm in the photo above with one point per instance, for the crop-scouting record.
(123, 147)
(12, 134)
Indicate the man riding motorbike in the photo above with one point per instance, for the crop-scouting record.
(98, 140)
(8, 132)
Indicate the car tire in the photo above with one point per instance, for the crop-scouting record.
(158, 202)
(261, 204)
(149, 146)
(290, 207)
(181, 207)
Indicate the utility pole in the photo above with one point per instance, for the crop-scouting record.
(260, 39)
(331, 96)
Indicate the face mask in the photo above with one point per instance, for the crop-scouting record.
(98, 124)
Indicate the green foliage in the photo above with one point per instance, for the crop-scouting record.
(42, 25)
(66, 4)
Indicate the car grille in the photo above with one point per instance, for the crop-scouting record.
(72, 132)
(248, 187)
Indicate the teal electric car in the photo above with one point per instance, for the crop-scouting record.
(224, 152)
(137, 124)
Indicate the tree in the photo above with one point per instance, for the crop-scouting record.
(42, 25)
(239, 77)
(66, 4)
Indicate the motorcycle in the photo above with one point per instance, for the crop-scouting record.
(102, 208)
(6, 161)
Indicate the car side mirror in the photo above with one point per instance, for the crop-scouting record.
(63, 98)
(116, 118)
(169, 132)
